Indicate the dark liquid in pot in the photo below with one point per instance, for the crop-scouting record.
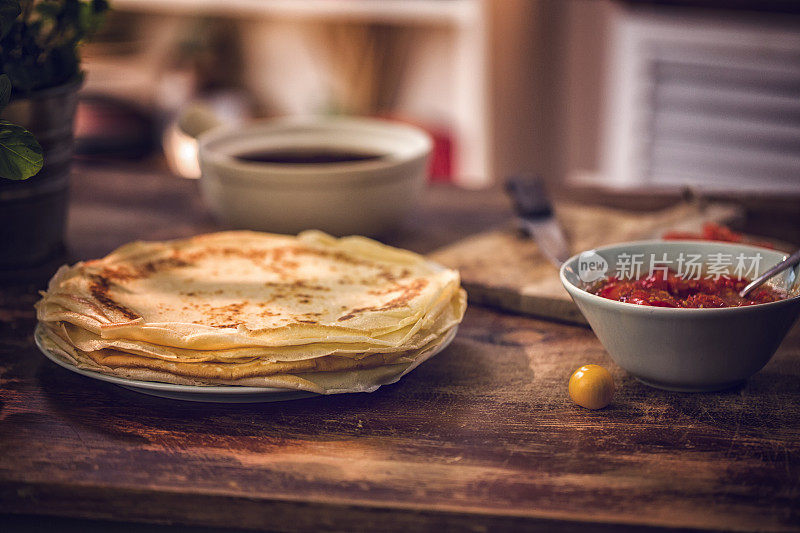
(307, 157)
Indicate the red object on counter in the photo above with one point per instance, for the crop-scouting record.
(713, 232)
(442, 164)
(670, 290)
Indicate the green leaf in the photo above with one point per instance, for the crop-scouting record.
(91, 16)
(9, 11)
(5, 91)
(20, 153)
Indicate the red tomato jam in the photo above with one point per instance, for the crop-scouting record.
(671, 290)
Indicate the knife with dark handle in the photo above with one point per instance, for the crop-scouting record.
(535, 212)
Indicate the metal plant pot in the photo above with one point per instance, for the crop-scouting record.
(33, 212)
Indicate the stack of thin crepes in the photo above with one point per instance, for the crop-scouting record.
(310, 312)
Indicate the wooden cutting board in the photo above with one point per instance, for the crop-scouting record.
(503, 268)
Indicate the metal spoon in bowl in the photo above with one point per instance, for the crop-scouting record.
(777, 269)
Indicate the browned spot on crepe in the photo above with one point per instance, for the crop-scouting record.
(410, 291)
(99, 287)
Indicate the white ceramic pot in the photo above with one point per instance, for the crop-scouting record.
(361, 197)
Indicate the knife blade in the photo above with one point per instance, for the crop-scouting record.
(535, 212)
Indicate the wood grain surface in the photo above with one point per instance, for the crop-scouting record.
(505, 268)
(482, 437)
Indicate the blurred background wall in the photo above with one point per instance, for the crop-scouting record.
(604, 93)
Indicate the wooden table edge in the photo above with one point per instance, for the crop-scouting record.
(277, 513)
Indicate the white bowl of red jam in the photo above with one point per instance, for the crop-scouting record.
(669, 312)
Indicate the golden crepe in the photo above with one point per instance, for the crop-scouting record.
(243, 307)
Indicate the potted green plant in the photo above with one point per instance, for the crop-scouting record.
(40, 68)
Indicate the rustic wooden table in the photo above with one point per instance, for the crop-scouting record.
(483, 436)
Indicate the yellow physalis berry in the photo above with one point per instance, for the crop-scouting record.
(591, 386)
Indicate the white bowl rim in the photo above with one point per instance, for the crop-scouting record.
(275, 125)
(670, 311)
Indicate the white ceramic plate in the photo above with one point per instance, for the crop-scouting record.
(196, 393)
